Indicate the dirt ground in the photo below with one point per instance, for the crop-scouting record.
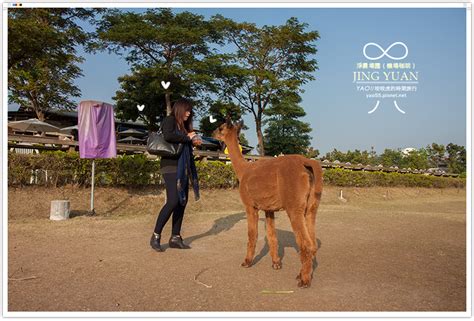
(384, 249)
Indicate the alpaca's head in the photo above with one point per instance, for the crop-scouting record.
(228, 130)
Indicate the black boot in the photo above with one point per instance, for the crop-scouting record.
(176, 242)
(155, 242)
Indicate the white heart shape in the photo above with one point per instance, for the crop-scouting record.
(141, 107)
(212, 120)
(165, 84)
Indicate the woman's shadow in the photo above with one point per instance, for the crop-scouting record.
(220, 225)
(286, 239)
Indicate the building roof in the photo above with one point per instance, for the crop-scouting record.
(70, 117)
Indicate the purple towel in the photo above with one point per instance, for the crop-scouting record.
(96, 127)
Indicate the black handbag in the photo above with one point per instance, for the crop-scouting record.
(157, 145)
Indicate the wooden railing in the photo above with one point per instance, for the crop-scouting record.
(51, 143)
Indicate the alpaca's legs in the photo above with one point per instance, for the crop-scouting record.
(252, 222)
(311, 225)
(272, 239)
(307, 248)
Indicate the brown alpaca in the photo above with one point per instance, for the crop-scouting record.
(292, 183)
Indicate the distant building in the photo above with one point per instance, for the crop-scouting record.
(61, 119)
(408, 150)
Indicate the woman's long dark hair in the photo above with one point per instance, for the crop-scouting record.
(180, 107)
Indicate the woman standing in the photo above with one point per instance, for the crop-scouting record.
(177, 172)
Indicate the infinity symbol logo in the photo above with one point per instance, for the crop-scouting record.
(385, 52)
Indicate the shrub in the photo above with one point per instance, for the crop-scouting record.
(345, 177)
(60, 168)
(215, 174)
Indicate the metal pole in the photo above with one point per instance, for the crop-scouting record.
(92, 212)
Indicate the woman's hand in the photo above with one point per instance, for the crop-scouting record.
(197, 141)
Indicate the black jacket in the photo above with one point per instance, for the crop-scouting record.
(172, 135)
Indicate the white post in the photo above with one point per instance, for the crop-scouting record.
(92, 188)
(341, 198)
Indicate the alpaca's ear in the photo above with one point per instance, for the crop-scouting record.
(228, 121)
(240, 124)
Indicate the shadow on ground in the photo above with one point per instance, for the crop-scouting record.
(220, 225)
(76, 213)
(286, 239)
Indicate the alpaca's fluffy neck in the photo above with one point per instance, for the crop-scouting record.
(238, 161)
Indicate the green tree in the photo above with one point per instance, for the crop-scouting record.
(219, 110)
(416, 159)
(311, 152)
(172, 47)
(285, 133)
(436, 154)
(391, 157)
(143, 87)
(456, 158)
(335, 155)
(374, 159)
(242, 139)
(357, 157)
(268, 62)
(353, 157)
(42, 57)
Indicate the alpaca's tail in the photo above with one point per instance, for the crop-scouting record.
(315, 172)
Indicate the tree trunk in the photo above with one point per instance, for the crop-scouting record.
(258, 123)
(36, 106)
(40, 114)
(168, 104)
(169, 62)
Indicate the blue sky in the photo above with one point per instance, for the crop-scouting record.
(337, 112)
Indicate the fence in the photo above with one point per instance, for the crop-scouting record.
(17, 143)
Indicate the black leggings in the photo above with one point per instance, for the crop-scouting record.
(172, 206)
